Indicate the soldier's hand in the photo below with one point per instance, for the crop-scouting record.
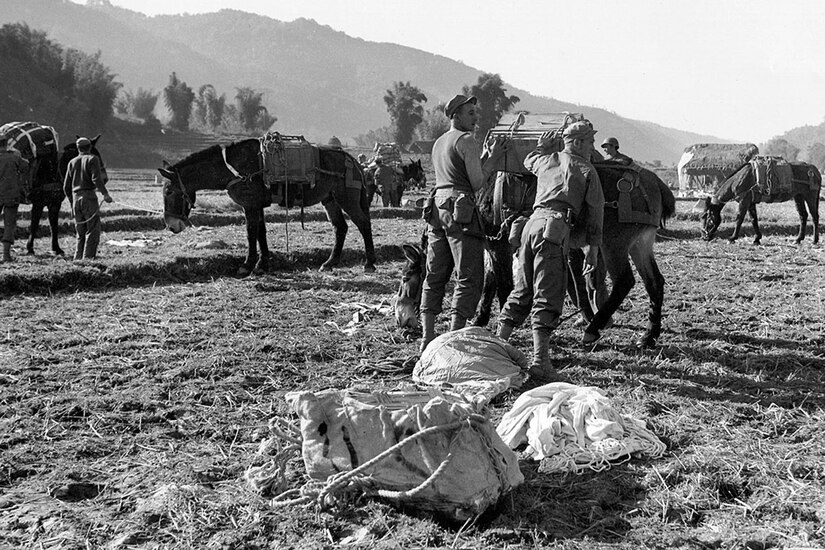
(591, 258)
(107, 197)
(546, 140)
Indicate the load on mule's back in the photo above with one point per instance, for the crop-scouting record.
(284, 169)
(38, 145)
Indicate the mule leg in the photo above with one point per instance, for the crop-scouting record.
(643, 258)
(812, 200)
(576, 286)
(799, 200)
(252, 216)
(336, 217)
(615, 251)
(34, 229)
(757, 235)
(744, 205)
(356, 204)
(54, 221)
(262, 265)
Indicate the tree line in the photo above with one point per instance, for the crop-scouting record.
(409, 120)
(73, 91)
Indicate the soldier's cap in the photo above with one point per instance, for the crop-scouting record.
(578, 130)
(456, 102)
(83, 143)
(611, 141)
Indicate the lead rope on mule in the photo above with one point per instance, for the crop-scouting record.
(326, 494)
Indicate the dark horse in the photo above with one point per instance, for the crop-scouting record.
(624, 239)
(237, 169)
(742, 187)
(47, 191)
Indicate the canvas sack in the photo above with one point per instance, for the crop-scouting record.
(427, 450)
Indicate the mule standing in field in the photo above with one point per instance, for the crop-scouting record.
(637, 202)
(238, 168)
(742, 187)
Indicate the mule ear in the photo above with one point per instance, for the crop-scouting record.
(166, 164)
(94, 139)
(411, 252)
(166, 173)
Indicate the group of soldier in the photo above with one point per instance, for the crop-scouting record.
(567, 213)
(83, 180)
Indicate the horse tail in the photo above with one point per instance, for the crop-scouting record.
(668, 202)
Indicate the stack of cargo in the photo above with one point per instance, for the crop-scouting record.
(524, 130)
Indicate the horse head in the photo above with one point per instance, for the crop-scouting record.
(408, 297)
(711, 218)
(415, 172)
(177, 200)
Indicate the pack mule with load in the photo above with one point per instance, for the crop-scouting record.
(637, 203)
(286, 170)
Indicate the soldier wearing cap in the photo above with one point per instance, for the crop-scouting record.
(13, 167)
(455, 235)
(611, 151)
(84, 178)
(568, 193)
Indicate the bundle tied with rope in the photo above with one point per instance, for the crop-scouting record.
(426, 450)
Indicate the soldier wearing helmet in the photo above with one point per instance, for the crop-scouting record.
(568, 192)
(611, 151)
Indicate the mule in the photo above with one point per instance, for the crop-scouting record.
(623, 241)
(47, 191)
(237, 168)
(741, 187)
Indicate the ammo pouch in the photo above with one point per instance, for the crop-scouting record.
(463, 209)
(556, 228)
(429, 207)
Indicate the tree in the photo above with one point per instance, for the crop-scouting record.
(433, 123)
(209, 108)
(143, 105)
(379, 135)
(405, 109)
(780, 147)
(493, 100)
(253, 116)
(815, 154)
(178, 98)
(93, 85)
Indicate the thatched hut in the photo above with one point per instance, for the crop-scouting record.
(704, 166)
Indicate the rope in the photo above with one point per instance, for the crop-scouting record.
(326, 493)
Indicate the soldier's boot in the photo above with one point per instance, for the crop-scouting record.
(6, 252)
(427, 329)
(457, 322)
(505, 329)
(541, 369)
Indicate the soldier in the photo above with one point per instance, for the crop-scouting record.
(83, 180)
(13, 167)
(569, 192)
(455, 236)
(611, 151)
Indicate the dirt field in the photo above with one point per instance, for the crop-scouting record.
(136, 389)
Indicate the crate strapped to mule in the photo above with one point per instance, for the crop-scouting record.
(34, 142)
(524, 130)
(287, 160)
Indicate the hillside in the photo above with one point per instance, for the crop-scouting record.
(316, 80)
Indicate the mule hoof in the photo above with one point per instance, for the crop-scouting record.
(57, 252)
(646, 341)
(325, 267)
(243, 271)
(29, 252)
(369, 268)
(590, 338)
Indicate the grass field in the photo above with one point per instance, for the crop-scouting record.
(135, 390)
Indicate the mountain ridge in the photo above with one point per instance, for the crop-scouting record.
(317, 80)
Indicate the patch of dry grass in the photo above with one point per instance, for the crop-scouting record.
(136, 390)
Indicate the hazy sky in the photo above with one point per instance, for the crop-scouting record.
(738, 69)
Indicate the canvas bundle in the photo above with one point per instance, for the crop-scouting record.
(426, 450)
(288, 159)
(31, 139)
(389, 153)
(524, 130)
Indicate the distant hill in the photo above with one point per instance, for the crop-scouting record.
(318, 81)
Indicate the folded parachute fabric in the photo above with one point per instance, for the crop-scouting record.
(471, 361)
(572, 428)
